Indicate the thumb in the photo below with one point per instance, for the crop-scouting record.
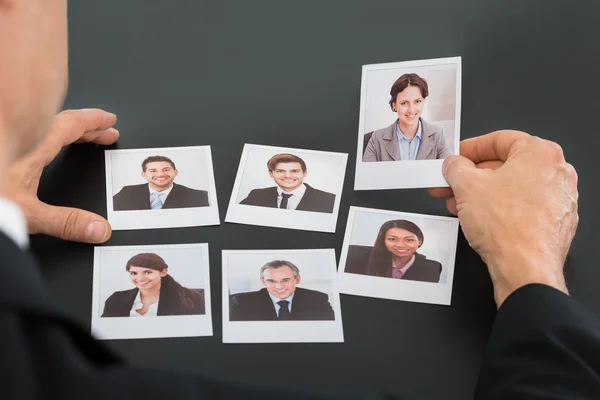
(458, 172)
(69, 224)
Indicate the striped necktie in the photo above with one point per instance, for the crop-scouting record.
(156, 203)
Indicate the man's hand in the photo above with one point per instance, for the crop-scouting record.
(516, 198)
(71, 126)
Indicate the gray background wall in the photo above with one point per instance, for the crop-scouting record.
(288, 73)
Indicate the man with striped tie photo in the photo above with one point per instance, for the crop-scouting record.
(161, 190)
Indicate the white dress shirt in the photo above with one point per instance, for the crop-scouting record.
(163, 195)
(277, 299)
(293, 201)
(137, 304)
(12, 223)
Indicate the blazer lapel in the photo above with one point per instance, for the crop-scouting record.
(267, 305)
(271, 199)
(427, 143)
(392, 147)
(142, 198)
(172, 198)
(307, 200)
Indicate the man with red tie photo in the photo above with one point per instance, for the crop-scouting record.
(161, 190)
(291, 193)
(280, 299)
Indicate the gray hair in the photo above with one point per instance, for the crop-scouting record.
(275, 264)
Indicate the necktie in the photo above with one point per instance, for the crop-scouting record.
(156, 201)
(284, 311)
(284, 200)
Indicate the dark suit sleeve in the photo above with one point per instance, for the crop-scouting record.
(235, 313)
(544, 345)
(110, 306)
(204, 198)
(117, 201)
(248, 199)
(325, 310)
(328, 313)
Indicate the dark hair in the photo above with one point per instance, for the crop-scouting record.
(405, 81)
(276, 264)
(285, 158)
(381, 258)
(156, 159)
(177, 296)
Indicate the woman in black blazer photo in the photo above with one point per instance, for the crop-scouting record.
(156, 293)
(394, 255)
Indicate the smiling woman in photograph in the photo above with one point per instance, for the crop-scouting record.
(410, 137)
(156, 293)
(394, 254)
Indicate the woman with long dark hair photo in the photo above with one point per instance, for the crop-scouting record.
(156, 293)
(394, 254)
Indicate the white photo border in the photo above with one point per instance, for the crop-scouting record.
(274, 217)
(282, 331)
(384, 174)
(152, 327)
(398, 289)
(166, 218)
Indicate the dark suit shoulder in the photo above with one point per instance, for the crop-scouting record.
(247, 296)
(119, 295)
(129, 189)
(264, 197)
(320, 192)
(315, 294)
(119, 303)
(426, 263)
(186, 189)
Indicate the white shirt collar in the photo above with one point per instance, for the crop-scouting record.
(12, 223)
(137, 304)
(164, 193)
(299, 191)
(275, 300)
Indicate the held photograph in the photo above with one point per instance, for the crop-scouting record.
(409, 122)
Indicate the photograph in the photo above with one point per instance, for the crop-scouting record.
(277, 296)
(398, 256)
(288, 188)
(161, 188)
(151, 291)
(409, 123)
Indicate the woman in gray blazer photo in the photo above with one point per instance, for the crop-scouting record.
(410, 137)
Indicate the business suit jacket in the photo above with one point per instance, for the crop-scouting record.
(313, 200)
(543, 344)
(137, 197)
(119, 304)
(307, 305)
(422, 270)
(383, 145)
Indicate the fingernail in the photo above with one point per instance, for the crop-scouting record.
(112, 115)
(95, 232)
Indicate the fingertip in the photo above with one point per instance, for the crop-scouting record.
(440, 192)
(451, 205)
(447, 162)
(97, 232)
